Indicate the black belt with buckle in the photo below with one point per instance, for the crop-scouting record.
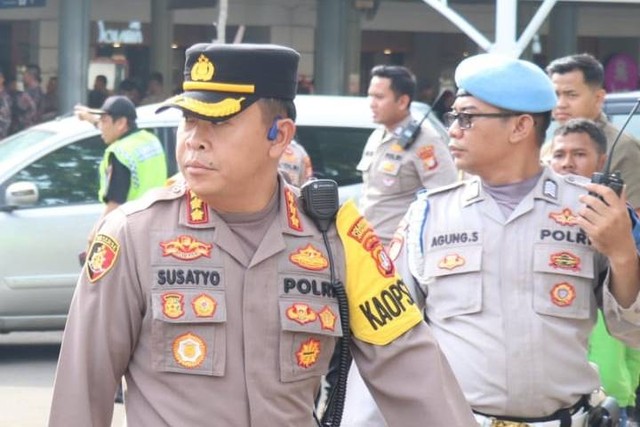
(562, 415)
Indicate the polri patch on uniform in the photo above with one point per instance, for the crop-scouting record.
(327, 318)
(293, 216)
(566, 217)
(173, 305)
(428, 156)
(204, 305)
(451, 261)
(563, 294)
(189, 350)
(197, 210)
(301, 313)
(102, 256)
(309, 258)
(565, 260)
(186, 248)
(308, 353)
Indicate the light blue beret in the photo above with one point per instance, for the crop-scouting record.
(507, 83)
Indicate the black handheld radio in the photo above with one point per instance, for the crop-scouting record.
(613, 179)
(320, 202)
(408, 134)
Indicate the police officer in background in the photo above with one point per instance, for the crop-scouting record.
(393, 170)
(213, 297)
(295, 164)
(134, 160)
(512, 264)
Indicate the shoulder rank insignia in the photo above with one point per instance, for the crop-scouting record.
(172, 305)
(566, 217)
(293, 216)
(186, 248)
(309, 258)
(308, 353)
(197, 210)
(189, 350)
(301, 313)
(102, 256)
(204, 305)
(550, 188)
(563, 294)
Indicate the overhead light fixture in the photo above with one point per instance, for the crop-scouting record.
(387, 51)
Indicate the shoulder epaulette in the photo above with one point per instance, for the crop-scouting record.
(577, 180)
(443, 189)
(153, 196)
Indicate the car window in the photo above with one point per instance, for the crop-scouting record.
(167, 136)
(68, 175)
(19, 142)
(334, 151)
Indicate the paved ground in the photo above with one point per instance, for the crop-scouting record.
(27, 368)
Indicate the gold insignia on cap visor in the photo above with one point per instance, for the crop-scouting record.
(223, 108)
(201, 74)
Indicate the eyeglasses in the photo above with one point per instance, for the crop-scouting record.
(464, 119)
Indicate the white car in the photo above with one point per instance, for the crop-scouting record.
(49, 185)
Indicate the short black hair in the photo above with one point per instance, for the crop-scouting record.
(591, 68)
(34, 70)
(102, 78)
(156, 76)
(588, 127)
(272, 107)
(403, 82)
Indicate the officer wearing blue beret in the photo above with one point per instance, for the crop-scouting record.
(221, 299)
(511, 265)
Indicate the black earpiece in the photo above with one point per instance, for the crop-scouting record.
(273, 130)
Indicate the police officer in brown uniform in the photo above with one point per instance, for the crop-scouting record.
(512, 264)
(213, 296)
(295, 164)
(393, 171)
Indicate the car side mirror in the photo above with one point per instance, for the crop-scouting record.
(21, 194)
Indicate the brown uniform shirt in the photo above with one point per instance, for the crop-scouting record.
(205, 334)
(392, 175)
(626, 159)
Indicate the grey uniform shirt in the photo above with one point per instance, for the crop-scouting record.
(392, 175)
(205, 333)
(513, 300)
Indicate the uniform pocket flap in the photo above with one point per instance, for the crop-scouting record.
(313, 317)
(571, 261)
(189, 306)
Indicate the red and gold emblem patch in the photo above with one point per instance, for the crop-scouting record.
(566, 217)
(189, 350)
(309, 258)
(186, 248)
(327, 318)
(204, 305)
(308, 353)
(293, 216)
(197, 210)
(428, 157)
(172, 305)
(563, 294)
(565, 260)
(301, 313)
(102, 256)
(362, 232)
(451, 261)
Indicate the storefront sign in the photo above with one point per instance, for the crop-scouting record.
(7, 4)
(130, 35)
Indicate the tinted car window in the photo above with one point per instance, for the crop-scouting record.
(68, 175)
(334, 151)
